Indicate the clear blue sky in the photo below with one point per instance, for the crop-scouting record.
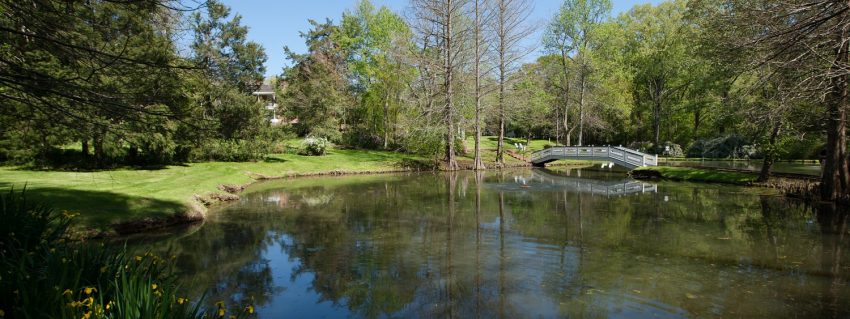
(275, 23)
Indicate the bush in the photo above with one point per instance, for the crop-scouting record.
(45, 276)
(314, 146)
(230, 150)
(731, 146)
(669, 149)
(646, 147)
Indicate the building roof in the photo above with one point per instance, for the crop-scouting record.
(264, 89)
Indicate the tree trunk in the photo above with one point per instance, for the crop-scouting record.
(478, 164)
(834, 179)
(451, 163)
(770, 154)
(581, 112)
(386, 119)
(656, 123)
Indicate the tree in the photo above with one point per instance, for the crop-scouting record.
(811, 39)
(510, 29)
(659, 53)
(91, 69)
(374, 40)
(439, 23)
(571, 34)
(481, 17)
(318, 93)
(233, 68)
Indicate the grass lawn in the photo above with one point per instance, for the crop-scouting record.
(698, 175)
(106, 197)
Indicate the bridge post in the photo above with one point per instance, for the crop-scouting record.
(642, 160)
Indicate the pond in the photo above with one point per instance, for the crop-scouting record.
(516, 244)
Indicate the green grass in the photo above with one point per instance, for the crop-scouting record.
(106, 197)
(700, 175)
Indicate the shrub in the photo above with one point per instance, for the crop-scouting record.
(669, 149)
(314, 146)
(730, 146)
(230, 150)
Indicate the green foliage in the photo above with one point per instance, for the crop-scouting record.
(731, 146)
(314, 146)
(45, 276)
(230, 150)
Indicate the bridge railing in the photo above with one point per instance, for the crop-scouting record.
(625, 155)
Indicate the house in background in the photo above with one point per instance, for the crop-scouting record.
(266, 94)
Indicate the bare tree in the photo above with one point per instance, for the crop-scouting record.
(437, 19)
(510, 28)
(482, 17)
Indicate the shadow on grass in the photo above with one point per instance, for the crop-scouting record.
(90, 169)
(272, 159)
(101, 209)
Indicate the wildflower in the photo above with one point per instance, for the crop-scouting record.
(109, 305)
(181, 301)
(87, 315)
(157, 293)
(153, 286)
(249, 309)
(221, 312)
(138, 258)
(67, 292)
(89, 290)
(220, 304)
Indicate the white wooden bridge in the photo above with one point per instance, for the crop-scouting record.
(619, 155)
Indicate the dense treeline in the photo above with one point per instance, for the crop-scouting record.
(698, 78)
(111, 77)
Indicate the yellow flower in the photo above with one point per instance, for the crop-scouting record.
(153, 286)
(232, 317)
(87, 315)
(221, 312)
(89, 290)
(109, 305)
(157, 293)
(181, 301)
(67, 292)
(249, 309)
(220, 304)
(138, 258)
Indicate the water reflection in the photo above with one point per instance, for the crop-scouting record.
(497, 245)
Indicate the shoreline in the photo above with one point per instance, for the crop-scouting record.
(199, 205)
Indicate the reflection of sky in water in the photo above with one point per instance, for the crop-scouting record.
(419, 245)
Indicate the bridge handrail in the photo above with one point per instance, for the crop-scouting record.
(628, 156)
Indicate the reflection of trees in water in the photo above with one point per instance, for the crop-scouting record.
(431, 246)
(224, 261)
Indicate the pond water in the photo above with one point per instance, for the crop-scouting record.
(516, 244)
(806, 168)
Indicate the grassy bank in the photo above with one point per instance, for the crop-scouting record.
(690, 174)
(105, 198)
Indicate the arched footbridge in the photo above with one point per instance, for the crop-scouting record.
(618, 155)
